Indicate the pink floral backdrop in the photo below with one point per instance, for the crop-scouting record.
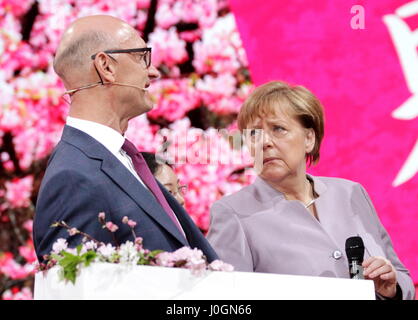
(204, 81)
(365, 71)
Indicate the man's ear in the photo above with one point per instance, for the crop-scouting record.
(105, 67)
(309, 140)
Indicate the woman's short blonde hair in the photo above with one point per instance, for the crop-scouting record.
(298, 101)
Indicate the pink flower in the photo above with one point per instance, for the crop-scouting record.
(131, 223)
(214, 88)
(204, 160)
(175, 97)
(219, 265)
(102, 216)
(73, 231)
(28, 225)
(13, 270)
(189, 11)
(28, 252)
(220, 49)
(9, 119)
(106, 250)
(18, 192)
(165, 17)
(142, 134)
(59, 245)
(88, 246)
(139, 241)
(17, 8)
(165, 259)
(193, 257)
(168, 48)
(143, 4)
(191, 36)
(111, 226)
(24, 294)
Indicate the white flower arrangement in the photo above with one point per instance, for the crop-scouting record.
(129, 253)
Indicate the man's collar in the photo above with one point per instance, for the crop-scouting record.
(107, 136)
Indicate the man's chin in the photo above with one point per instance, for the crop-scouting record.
(149, 107)
(141, 109)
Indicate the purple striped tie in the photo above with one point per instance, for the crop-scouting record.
(145, 174)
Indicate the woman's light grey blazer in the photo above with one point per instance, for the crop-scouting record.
(257, 229)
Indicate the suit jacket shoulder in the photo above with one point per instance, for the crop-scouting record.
(82, 179)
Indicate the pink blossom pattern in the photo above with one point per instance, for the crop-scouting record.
(171, 12)
(219, 265)
(220, 49)
(168, 48)
(192, 259)
(174, 98)
(16, 294)
(28, 252)
(129, 222)
(13, 270)
(59, 245)
(101, 216)
(204, 161)
(18, 192)
(28, 226)
(111, 226)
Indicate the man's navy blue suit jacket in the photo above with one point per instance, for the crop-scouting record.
(82, 179)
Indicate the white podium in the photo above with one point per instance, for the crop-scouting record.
(105, 281)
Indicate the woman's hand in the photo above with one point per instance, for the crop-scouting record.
(382, 272)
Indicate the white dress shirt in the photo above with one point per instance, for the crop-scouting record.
(109, 138)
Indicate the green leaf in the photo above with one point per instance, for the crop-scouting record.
(88, 257)
(56, 256)
(70, 271)
(70, 263)
(66, 254)
(155, 252)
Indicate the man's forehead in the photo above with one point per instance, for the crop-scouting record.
(126, 34)
(133, 41)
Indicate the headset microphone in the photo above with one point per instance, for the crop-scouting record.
(92, 85)
(125, 85)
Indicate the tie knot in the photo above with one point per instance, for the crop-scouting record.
(130, 148)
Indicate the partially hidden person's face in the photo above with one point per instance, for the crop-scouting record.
(169, 180)
(279, 144)
(133, 70)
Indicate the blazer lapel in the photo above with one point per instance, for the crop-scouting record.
(120, 175)
(189, 227)
(143, 197)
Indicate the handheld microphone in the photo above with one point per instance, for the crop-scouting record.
(354, 248)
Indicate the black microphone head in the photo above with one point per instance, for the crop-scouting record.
(354, 248)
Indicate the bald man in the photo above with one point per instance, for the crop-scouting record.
(106, 68)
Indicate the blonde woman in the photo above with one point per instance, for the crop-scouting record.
(290, 222)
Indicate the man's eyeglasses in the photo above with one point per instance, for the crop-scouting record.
(146, 56)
